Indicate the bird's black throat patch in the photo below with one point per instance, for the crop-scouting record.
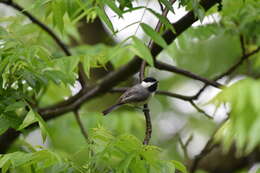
(153, 87)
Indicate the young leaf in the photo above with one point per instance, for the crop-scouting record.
(58, 8)
(33, 117)
(113, 6)
(43, 126)
(29, 119)
(15, 106)
(163, 19)
(179, 166)
(142, 51)
(154, 35)
(3, 124)
(168, 5)
(105, 18)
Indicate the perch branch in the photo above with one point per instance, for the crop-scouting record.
(148, 131)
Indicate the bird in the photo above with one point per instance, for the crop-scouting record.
(138, 94)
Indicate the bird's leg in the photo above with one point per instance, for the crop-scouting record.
(145, 109)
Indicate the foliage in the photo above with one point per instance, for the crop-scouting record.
(116, 154)
(244, 115)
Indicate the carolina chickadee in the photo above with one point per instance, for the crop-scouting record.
(139, 93)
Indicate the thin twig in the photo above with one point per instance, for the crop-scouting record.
(81, 126)
(142, 17)
(188, 141)
(184, 146)
(227, 72)
(200, 110)
(242, 44)
(148, 131)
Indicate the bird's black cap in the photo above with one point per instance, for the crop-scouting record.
(150, 79)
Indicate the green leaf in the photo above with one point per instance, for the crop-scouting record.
(123, 166)
(103, 16)
(3, 65)
(33, 117)
(58, 8)
(28, 120)
(168, 5)
(15, 106)
(163, 19)
(142, 50)
(86, 64)
(179, 166)
(138, 165)
(244, 120)
(4, 124)
(154, 35)
(7, 120)
(125, 3)
(113, 6)
(43, 126)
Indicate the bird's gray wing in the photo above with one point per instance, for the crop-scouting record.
(134, 94)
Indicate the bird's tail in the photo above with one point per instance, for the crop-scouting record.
(111, 108)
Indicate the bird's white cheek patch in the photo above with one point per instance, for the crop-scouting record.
(146, 84)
